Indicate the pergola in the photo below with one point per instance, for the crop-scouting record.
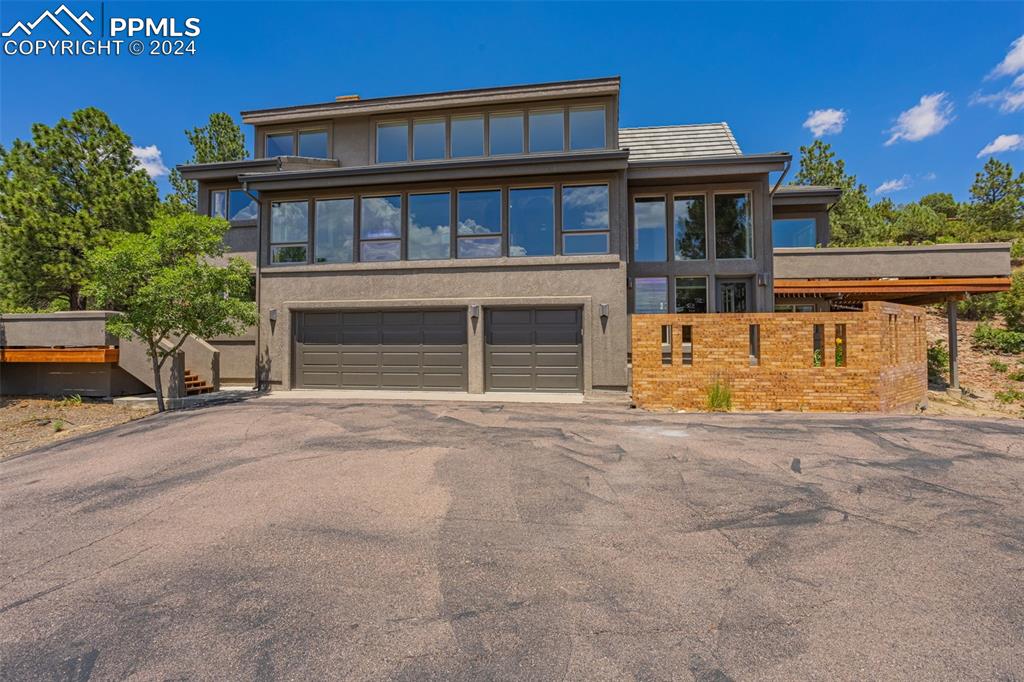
(915, 275)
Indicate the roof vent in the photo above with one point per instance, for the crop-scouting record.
(347, 98)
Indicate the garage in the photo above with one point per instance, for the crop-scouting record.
(401, 350)
(536, 349)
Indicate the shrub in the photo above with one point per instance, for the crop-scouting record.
(998, 366)
(719, 397)
(1017, 375)
(979, 307)
(938, 360)
(58, 425)
(73, 400)
(1011, 303)
(1010, 396)
(1000, 340)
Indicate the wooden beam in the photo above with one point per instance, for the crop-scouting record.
(76, 355)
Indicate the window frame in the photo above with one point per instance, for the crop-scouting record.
(508, 113)
(502, 234)
(562, 233)
(484, 132)
(295, 132)
(210, 203)
(568, 125)
(633, 227)
(666, 302)
(452, 227)
(311, 260)
(564, 111)
(677, 195)
(402, 222)
(801, 216)
(555, 188)
(751, 241)
(407, 122)
(308, 244)
(445, 144)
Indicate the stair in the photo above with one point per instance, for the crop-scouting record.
(194, 385)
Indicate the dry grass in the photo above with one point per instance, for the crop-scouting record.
(27, 423)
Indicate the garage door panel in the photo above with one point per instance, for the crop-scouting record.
(569, 359)
(510, 358)
(556, 382)
(383, 349)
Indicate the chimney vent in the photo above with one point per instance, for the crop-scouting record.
(347, 98)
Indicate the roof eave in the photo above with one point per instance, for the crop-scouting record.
(747, 164)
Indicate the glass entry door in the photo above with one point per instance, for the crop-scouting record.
(733, 296)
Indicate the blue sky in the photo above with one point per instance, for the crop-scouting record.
(762, 67)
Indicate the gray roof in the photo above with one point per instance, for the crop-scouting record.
(657, 143)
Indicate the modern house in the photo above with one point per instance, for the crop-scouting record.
(502, 239)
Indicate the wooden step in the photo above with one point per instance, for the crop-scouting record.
(195, 385)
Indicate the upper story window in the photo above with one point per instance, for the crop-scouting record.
(585, 219)
(506, 136)
(734, 234)
(467, 136)
(531, 221)
(380, 231)
(392, 142)
(234, 205)
(477, 222)
(788, 233)
(587, 128)
(547, 131)
(281, 144)
(311, 143)
(480, 224)
(495, 133)
(649, 229)
(428, 139)
(689, 236)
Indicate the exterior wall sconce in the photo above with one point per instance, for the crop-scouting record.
(273, 315)
(474, 311)
(603, 308)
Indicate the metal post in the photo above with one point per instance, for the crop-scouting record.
(954, 365)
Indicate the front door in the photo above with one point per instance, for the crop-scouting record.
(733, 296)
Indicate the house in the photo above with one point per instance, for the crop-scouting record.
(502, 240)
(498, 239)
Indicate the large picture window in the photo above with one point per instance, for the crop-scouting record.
(585, 219)
(734, 236)
(241, 206)
(334, 231)
(690, 236)
(649, 229)
(531, 222)
(429, 226)
(380, 229)
(479, 227)
(289, 231)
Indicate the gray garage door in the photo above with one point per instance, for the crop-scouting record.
(534, 350)
(411, 350)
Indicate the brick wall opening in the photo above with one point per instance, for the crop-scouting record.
(870, 360)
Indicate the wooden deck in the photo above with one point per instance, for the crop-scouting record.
(97, 355)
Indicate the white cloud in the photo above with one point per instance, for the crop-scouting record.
(930, 116)
(150, 160)
(929, 176)
(825, 122)
(1013, 62)
(895, 185)
(1010, 98)
(1003, 143)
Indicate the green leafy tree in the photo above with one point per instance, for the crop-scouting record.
(166, 287)
(1011, 303)
(852, 218)
(996, 208)
(942, 203)
(73, 187)
(915, 224)
(219, 140)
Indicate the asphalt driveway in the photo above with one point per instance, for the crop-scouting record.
(451, 541)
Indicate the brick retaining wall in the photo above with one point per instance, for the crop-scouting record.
(885, 356)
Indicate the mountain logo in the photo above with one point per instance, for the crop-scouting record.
(79, 21)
